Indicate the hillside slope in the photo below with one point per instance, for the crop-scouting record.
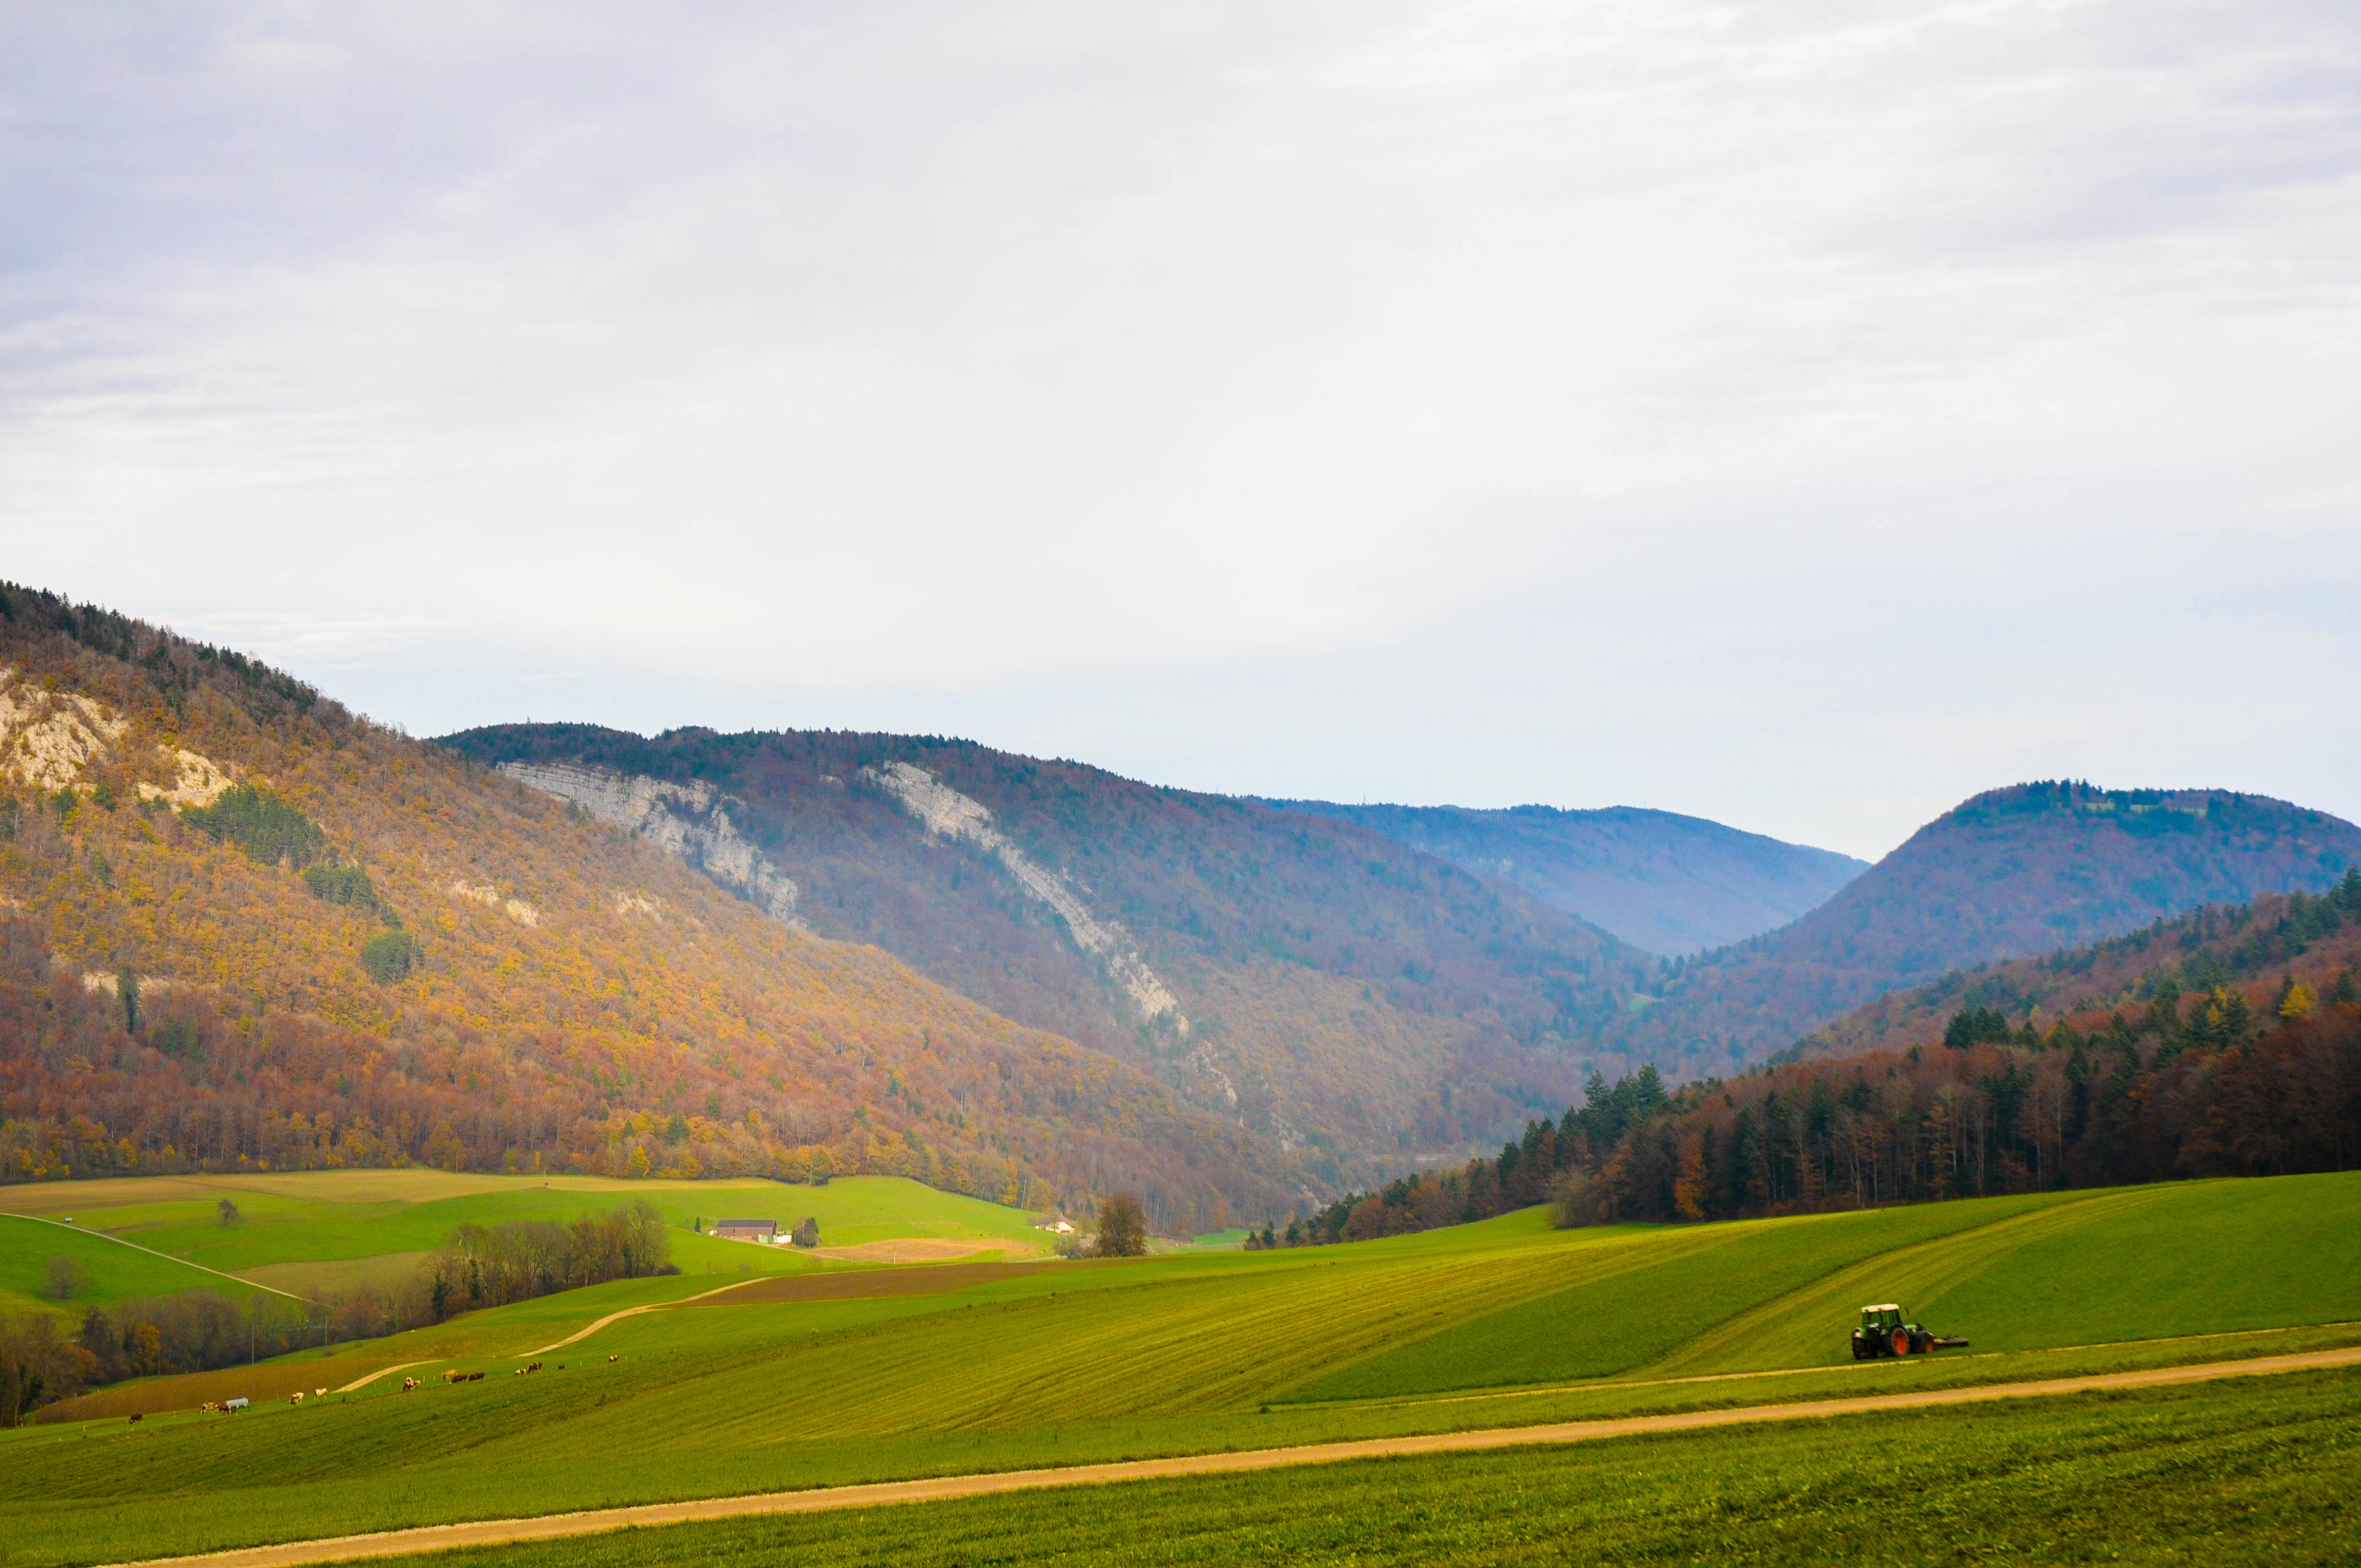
(2255, 949)
(1662, 881)
(2010, 873)
(1339, 992)
(244, 930)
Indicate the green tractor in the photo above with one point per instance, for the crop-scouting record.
(1882, 1333)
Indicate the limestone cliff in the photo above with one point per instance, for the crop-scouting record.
(945, 811)
(688, 821)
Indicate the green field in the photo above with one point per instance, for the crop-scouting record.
(2009, 1273)
(116, 1271)
(328, 1232)
(959, 1369)
(2258, 1472)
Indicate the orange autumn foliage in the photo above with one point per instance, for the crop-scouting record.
(579, 1002)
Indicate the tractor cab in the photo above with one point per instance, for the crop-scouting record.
(1883, 1332)
(1881, 1320)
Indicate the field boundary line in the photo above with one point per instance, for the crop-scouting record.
(151, 1251)
(595, 1521)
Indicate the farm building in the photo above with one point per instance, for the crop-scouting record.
(764, 1230)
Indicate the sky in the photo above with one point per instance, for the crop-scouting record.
(1803, 416)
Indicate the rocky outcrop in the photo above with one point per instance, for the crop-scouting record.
(196, 780)
(948, 813)
(688, 821)
(48, 738)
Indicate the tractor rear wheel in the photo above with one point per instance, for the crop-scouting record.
(1901, 1341)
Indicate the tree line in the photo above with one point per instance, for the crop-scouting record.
(2214, 945)
(1548, 1163)
(2207, 1076)
(2215, 1087)
(203, 1330)
(490, 1266)
(2209, 1085)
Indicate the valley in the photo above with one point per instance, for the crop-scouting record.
(399, 1087)
(1673, 885)
(366, 951)
(1344, 997)
(1050, 786)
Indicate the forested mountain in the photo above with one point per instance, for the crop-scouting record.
(2235, 1051)
(2010, 873)
(1346, 995)
(1668, 884)
(2258, 950)
(241, 928)
(2228, 1042)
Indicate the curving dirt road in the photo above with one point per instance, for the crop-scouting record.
(488, 1532)
(583, 1333)
(357, 1383)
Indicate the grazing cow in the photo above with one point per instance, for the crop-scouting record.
(475, 1377)
(408, 1384)
(319, 1393)
(296, 1397)
(614, 1359)
(135, 1418)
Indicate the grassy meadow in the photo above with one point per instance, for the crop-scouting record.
(2264, 1472)
(774, 1383)
(115, 1271)
(332, 1231)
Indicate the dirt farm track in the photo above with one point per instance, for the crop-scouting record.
(484, 1532)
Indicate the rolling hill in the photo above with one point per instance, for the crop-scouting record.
(331, 1235)
(1342, 993)
(2010, 873)
(1662, 881)
(242, 929)
(772, 1385)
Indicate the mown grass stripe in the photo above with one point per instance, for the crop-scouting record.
(393, 1544)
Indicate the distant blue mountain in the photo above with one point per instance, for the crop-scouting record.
(1668, 884)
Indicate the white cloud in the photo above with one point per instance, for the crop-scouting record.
(1579, 368)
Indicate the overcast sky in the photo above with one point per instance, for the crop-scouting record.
(1803, 416)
